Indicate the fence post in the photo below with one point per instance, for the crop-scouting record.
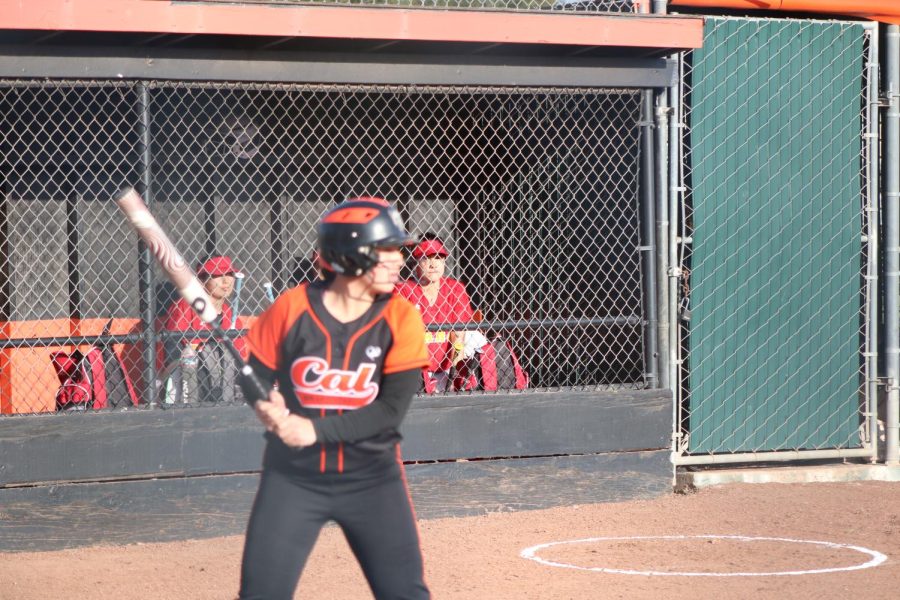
(662, 238)
(873, 279)
(674, 272)
(892, 244)
(668, 268)
(145, 258)
(648, 240)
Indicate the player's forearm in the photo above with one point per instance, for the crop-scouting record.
(386, 412)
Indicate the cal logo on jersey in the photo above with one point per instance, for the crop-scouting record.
(318, 386)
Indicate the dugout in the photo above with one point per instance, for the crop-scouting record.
(525, 140)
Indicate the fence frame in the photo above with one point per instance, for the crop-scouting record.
(647, 73)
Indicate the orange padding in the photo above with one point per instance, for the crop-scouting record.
(28, 382)
(886, 11)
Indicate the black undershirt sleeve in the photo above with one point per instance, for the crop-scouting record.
(386, 412)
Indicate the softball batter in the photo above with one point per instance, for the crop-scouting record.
(346, 356)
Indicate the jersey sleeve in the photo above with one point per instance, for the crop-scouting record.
(408, 348)
(267, 333)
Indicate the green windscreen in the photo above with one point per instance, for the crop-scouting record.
(775, 271)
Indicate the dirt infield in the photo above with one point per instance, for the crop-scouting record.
(480, 557)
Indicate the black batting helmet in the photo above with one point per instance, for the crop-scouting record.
(350, 233)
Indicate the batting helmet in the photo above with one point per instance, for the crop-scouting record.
(350, 233)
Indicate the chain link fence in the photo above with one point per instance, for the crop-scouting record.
(533, 192)
(778, 274)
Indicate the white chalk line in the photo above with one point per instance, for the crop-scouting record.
(876, 557)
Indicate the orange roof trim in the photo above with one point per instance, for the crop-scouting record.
(886, 11)
(159, 16)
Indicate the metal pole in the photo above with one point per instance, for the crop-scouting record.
(648, 240)
(662, 237)
(675, 190)
(892, 245)
(145, 257)
(674, 271)
(872, 263)
(872, 266)
(668, 158)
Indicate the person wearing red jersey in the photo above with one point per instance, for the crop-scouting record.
(217, 276)
(439, 299)
(215, 370)
(344, 359)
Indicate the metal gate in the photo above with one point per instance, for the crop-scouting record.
(779, 264)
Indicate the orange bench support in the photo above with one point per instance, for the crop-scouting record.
(28, 383)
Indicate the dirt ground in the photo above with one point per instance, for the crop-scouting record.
(480, 557)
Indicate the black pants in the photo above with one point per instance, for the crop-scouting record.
(375, 515)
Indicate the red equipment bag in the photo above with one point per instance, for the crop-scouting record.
(82, 379)
(496, 367)
(500, 368)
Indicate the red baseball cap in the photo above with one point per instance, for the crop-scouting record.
(217, 266)
(430, 248)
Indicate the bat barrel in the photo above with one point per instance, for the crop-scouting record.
(181, 275)
(168, 257)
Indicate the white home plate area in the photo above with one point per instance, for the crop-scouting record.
(704, 556)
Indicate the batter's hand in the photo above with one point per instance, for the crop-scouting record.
(272, 411)
(294, 430)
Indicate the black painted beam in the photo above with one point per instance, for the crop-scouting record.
(80, 62)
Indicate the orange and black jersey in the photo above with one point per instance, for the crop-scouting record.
(355, 380)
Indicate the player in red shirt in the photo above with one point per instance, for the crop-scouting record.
(439, 299)
(217, 276)
(346, 355)
(216, 370)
